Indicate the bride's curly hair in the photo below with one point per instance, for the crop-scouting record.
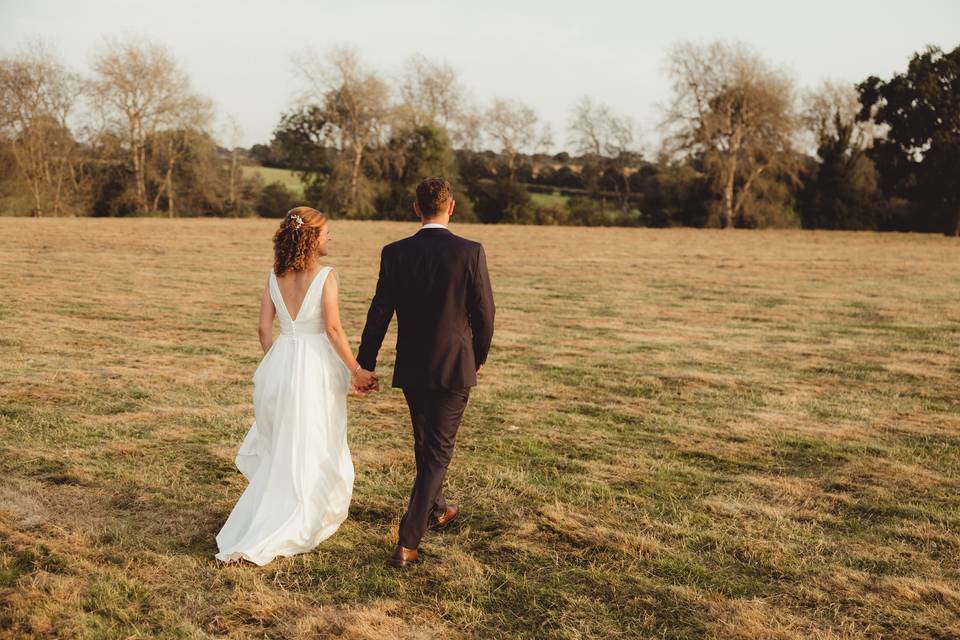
(295, 243)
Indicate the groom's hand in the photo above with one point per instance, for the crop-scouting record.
(373, 385)
(364, 382)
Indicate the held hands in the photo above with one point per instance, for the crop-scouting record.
(364, 382)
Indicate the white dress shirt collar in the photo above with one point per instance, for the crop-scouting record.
(433, 225)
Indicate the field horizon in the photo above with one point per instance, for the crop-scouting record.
(680, 433)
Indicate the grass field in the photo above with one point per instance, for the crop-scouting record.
(286, 177)
(679, 434)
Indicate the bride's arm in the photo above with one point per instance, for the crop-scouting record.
(338, 337)
(267, 313)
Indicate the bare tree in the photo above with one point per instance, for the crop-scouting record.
(468, 127)
(608, 138)
(355, 102)
(833, 103)
(234, 133)
(735, 111)
(544, 138)
(430, 92)
(141, 90)
(38, 95)
(589, 128)
(513, 126)
(172, 144)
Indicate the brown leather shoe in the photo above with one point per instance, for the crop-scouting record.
(404, 557)
(441, 523)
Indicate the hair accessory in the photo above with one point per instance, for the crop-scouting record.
(296, 220)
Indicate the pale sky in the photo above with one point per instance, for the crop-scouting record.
(547, 54)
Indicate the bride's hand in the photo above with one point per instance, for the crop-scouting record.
(364, 382)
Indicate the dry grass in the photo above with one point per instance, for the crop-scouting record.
(680, 434)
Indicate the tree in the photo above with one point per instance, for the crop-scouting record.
(431, 93)
(299, 142)
(502, 200)
(38, 95)
(468, 129)
(598, 133)
(920, 156)
(737, 113)
(674, 193)
(830, 100)
(513, 126)
(172, 144)
(199, 181)
(840, 192)
(140, 90)
(233, 134)
(355, 105)
(275, 201)
(409, 156)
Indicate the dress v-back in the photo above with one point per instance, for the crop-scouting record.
(295, 455)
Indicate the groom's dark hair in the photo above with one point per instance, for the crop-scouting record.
(432, 194)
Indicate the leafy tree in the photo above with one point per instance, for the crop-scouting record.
(299, 143)
(502, 201)
(410, 156)
(566, 177)
(675, 194)
(266, 155)
(842, 191)
(919, 158)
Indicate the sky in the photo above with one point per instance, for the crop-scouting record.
(546, 54)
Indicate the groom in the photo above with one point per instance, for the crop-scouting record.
(437, 282)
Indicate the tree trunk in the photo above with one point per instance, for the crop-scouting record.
(58, 207)
(171, 207)
(36, 200)
(29, 160)
(168, 182)
(32, 172)
(745, 190)
(139, 179)
(138, 151)
(626, 191)
(727, 213)
(232, 197)
(355, 176)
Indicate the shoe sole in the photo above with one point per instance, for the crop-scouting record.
(402, 564)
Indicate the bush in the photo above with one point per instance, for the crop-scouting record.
(502, 201)
(586, 211)
(275, 200)
(551, 214)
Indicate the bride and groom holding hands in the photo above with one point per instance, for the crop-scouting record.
(295, 455)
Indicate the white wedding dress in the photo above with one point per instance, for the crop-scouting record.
(295, 456)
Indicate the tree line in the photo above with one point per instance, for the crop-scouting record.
(741, 145)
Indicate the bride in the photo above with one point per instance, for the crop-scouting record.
(295, 455)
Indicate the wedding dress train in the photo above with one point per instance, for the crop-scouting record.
(295, 455)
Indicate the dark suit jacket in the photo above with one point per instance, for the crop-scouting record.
(438, 284)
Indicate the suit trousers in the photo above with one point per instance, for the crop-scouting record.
(436, 415)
